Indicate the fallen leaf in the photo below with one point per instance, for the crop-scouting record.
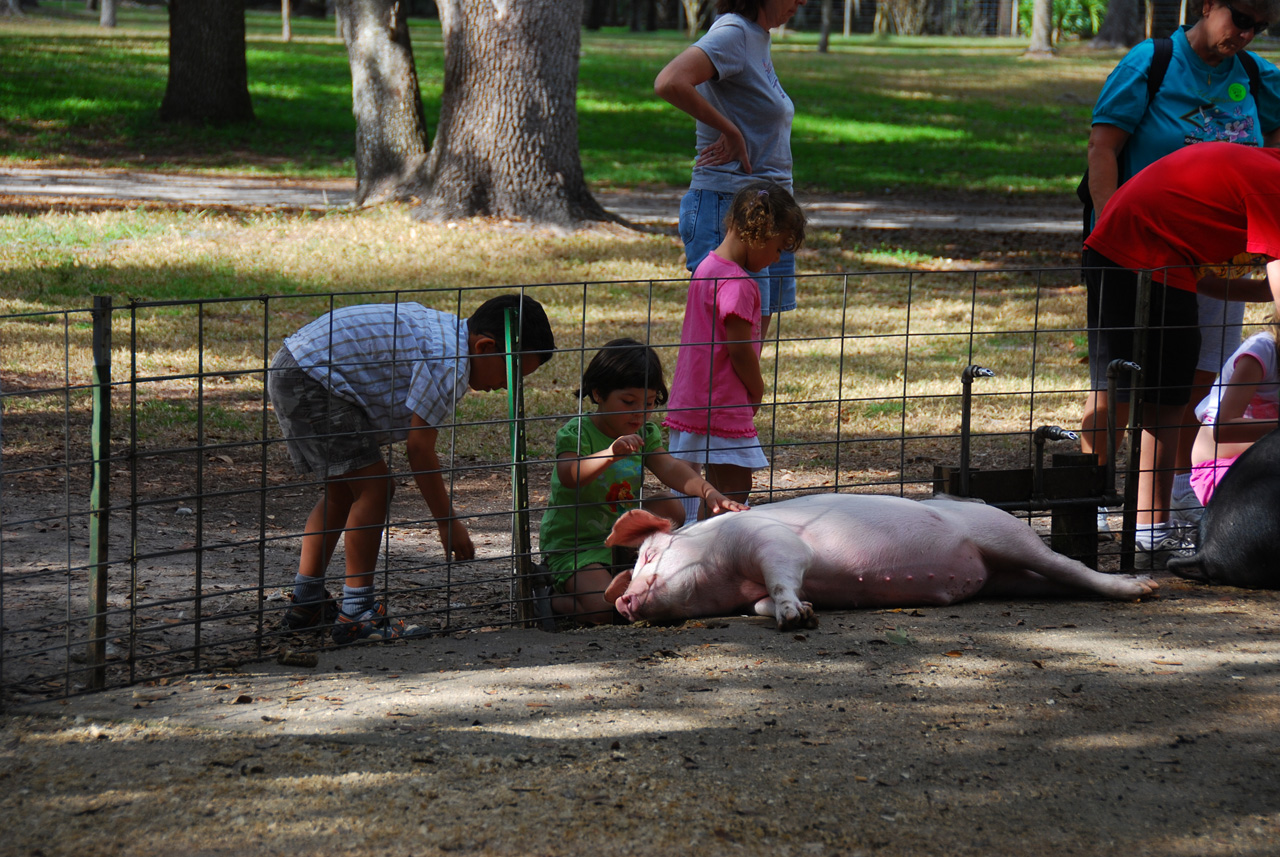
(899, 638)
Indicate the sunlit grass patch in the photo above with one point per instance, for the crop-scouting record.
(925, 115)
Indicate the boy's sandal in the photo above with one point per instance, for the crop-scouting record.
(311, 614)
(373, 626)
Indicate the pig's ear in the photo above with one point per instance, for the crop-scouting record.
(636, 526)
(618, 586)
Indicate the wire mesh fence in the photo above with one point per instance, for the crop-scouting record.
(151, 518)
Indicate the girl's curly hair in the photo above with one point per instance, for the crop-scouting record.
(764, 210)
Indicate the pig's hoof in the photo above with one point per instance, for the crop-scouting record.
(799, 615)
(1137, 585)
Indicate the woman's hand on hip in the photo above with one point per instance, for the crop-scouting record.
(725, 150)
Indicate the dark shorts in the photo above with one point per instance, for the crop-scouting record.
(1173, 331)
(325, 435)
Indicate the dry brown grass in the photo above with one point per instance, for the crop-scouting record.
(869, 358)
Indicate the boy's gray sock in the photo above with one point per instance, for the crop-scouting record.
(356, 599)
(307, 589)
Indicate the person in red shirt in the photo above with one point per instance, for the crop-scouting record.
(1201, 205)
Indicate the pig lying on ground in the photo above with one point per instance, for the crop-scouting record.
(843, 551)
(1240, 531)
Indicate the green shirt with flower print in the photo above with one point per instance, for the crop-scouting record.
(579, 519)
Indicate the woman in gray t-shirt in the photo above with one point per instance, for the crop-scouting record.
(726, 82)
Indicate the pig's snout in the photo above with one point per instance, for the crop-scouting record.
(620, 593)
(628, 604)
(638, 600)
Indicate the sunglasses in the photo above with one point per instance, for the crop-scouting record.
(1245, 23)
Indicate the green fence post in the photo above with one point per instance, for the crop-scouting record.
(100, 492)
(521, 543)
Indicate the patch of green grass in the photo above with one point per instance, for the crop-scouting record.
(922, 115)
(72, 93)
(165, 418)
(889, 407)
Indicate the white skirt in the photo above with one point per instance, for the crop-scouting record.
(709, 449)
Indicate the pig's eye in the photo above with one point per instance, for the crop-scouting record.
(650, 555)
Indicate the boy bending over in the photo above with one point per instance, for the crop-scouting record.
(356, 379)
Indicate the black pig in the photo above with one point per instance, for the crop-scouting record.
(1240, 530)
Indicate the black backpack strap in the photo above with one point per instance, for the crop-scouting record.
(1251, 68)
(1160, 64)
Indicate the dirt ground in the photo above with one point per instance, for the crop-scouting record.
(1079, 727)
(1090, 728)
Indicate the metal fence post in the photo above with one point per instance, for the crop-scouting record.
(521, 542)
(100, 492)
(1141, 322)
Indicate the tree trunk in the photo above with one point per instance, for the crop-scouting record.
(507, 142)
(595, 15)
(208, 79)
(692, 10)
(1124, 25)
(1041, 29)
(107, 14)
(286, 26)
(391, 133)
(11, 7)
(824, 36)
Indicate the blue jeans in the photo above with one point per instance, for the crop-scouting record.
(702, 215)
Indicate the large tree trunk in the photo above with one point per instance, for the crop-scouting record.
(507, 142)
(1041, 29)
(1124, 26)
(208, 79)
(107, 15)
(824, 35)
(391, 133)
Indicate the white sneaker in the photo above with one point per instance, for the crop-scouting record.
(1157, 556)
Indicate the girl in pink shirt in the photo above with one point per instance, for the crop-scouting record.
(717, 387)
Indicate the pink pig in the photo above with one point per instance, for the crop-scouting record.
(843, 551)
